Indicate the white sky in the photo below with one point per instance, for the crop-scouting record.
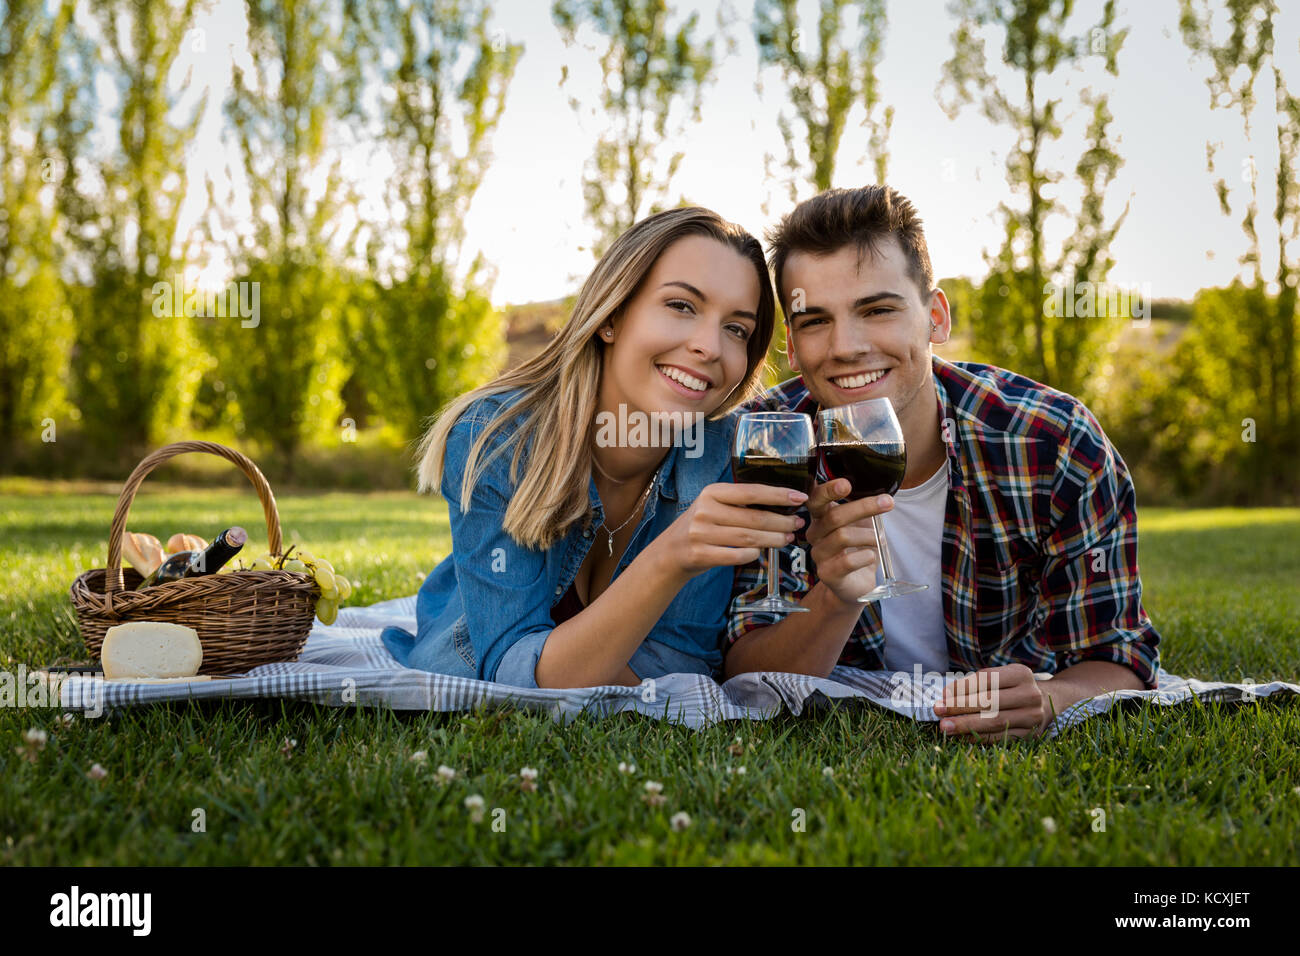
(527, 218)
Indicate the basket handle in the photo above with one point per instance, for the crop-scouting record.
(113, 582)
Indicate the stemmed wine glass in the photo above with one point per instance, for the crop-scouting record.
(863, 442)
(774, 448)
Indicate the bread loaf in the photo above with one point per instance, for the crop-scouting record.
(151, 649)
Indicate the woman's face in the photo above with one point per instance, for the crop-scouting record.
(681, 343)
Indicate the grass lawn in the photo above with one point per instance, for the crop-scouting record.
(1199, 784)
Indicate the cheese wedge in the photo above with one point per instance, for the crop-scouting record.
(162, 680)
(151, 649)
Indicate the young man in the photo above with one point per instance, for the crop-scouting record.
(1014, 508)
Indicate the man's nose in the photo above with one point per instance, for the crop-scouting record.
(848, 341)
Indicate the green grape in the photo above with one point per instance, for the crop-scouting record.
(295, 565)
(344, 586)
(325, 578)
(261, 564)
(327, 610)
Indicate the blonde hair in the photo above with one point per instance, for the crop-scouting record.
(561, 384)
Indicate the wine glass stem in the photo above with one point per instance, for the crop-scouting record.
(885, 563)
(772, 573)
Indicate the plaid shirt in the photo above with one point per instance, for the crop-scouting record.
(1039, 550)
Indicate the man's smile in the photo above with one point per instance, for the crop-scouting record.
(855, 384)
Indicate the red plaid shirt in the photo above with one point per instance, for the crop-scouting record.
(1040, 536)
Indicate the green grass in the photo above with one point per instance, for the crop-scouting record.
(1199, 784)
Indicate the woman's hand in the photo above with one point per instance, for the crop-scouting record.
(720, 529)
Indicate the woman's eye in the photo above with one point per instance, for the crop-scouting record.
(675, 303)
(741, 331)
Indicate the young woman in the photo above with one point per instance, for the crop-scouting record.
(586, 549)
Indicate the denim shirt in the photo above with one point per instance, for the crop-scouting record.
(484, 611)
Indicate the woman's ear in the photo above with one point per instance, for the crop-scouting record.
(607, 330)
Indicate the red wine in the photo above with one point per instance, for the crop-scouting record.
(793, 473)
(193, 564)
(872, 468)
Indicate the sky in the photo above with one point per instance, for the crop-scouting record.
(527, 218)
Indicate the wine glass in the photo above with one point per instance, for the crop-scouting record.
(863, 442)
(774, 448)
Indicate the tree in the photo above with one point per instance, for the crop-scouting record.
(649, 68)
(35, 321)
(443, 74)
(288, 367)
(1246, 337)
(1016, 322)
(824, 84)
(134, 374)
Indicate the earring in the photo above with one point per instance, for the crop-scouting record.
(608, 334)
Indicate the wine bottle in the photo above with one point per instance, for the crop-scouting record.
(193, 564)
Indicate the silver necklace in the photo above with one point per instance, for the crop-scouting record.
(644, 495)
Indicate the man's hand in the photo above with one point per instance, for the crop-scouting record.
(1015, 702)
(993, 703)
(843, 542)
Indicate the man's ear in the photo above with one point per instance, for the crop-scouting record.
(940, 317)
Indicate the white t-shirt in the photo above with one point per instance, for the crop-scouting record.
(913, 623)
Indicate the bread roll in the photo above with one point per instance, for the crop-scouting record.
(151, 649)
(185, 542)
(142, 551)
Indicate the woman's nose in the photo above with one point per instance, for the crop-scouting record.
(707, 340)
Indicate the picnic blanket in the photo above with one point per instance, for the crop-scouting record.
(346, 665)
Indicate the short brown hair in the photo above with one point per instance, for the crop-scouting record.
(860, 217)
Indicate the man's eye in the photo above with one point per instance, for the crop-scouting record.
(810, 321)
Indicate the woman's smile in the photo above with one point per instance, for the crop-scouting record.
(683, 382)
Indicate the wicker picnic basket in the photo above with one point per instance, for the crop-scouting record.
(243, 618)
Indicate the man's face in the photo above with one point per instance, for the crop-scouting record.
(864, 329)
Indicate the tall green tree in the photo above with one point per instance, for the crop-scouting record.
(442, 73)
(35, 321)
(1242, 351)
(1018, 321)
(824, 81)
(652, 72)
(134, 374)
(286, 110)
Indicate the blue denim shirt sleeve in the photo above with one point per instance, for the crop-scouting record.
(504, 587)
(518, 665)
